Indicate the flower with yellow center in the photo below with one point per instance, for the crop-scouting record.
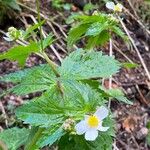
(115, 8)
(118, 8)
(92, 124)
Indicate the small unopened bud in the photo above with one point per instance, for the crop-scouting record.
(95, 13)
(67, 125)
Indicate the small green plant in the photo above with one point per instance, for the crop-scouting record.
(59, 4)
(72, 109)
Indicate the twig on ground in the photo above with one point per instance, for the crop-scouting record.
(135, 47)
(4, 113)
(143, 100)
(110, 79)
(124, 55)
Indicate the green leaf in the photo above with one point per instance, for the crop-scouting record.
(93, 26)
(119, 32)
(20, 53)
(43, 111)
(96, 28)
(76, 33)
(148, 136)
(37, 79)
(50, 136)
(51, 108)
(129, 65)
(32, 28)
(12, 4)
(117, 94)
(18, 76)
(98, 40)
(89, 7)
(46, 41)
(81, 98)
(14, 137)
(81, 65)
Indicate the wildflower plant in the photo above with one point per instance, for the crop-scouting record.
(71, 111)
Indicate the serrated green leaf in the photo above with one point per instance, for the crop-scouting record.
(119, 32)
(18, 76)
(51, 108)
(14, 137)
(93, 26)
(50, 136)
(81, 65)
(96, 28)
(76, 33)
(46, 41)
(20, 53)
(38, 79)
(81, 97)
(117, 94)
(32, 28)
(98, 40)
(43, 111)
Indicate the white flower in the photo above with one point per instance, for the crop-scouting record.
(92, 124)
(13, 34)
(8, 38)
(110, 5)
(115, 8)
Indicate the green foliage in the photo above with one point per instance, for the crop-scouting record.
(51, 108)
(31, 29)
(57, 3)
(14, 137)
(69, 92)
(93, 26)
(20, 53)
(85, 65)
(10, 3)
(116, 94)
(89, 7)
(50, 136)
(129, 65)
(39, 79)
(18, 76)
(148, 136)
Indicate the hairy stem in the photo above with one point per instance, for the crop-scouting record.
(51, 63)
(39, 20)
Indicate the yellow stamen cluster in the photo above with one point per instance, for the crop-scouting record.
(118, 8)
(93, 121)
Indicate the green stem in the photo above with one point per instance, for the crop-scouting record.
(32, 144)
(39, 20)
(51, 63)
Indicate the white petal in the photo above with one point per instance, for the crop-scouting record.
(81, 127)
(7, 39)
(91, 135)
(120, 6)
(110, 5)
(101, 128)
(101, 113)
